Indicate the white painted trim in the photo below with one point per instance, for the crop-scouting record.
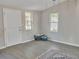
(27, 41)
(20, 43)
(16, 44)
(71, 44)
(2, 47)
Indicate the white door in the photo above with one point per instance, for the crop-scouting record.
(12, 26)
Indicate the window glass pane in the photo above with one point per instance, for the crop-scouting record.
(28, 27)
(54, 22)
(28, 21)
(54, 27)
(27, 14)
(54, 17)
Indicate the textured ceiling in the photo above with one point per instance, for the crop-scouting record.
(30, 4)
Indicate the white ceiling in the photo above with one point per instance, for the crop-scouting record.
(29, 4)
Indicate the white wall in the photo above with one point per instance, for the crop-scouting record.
(2, 42)
(68, 30)
(77, 23)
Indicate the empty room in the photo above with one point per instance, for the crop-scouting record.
(39, 29)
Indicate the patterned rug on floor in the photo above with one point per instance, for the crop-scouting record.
(56, 54)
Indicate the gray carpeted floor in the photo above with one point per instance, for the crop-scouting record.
(33, 49)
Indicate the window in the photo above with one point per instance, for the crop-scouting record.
(54, 22)
(28, 20)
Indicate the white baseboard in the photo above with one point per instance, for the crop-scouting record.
(2, 47)
(15, 44)
(27, 41)
(66, 43)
